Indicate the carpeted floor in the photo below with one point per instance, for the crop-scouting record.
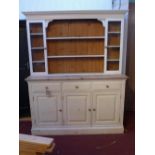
(114, 144)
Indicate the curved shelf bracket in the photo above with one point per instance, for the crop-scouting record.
(102, 21)
(47, 22)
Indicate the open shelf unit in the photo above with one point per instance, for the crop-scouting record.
(75, 46)
(37, 47)
(113, 45)
(72, 49)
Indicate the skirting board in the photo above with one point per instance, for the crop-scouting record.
(77, 131)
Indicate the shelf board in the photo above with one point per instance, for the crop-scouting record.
(76, 56)
(36, 34)
(38, 61)
(37, 48)
(113, 46)
(112, 59)
(112, 32)
(70, 38)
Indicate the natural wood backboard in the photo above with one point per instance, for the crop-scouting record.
(114, 39)
(112, 65)
(113, 53)
(60, 28)
(37, 55)
(39, 67)
(36, 28)
(75, 47)
(66, 47)
(36, 41)
(114, 26)
(75, 65)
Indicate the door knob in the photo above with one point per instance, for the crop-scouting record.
(76, 87)
(107, 86)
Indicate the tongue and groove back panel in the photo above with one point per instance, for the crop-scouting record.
(75, 47)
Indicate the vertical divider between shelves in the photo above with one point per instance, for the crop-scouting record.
(29, 46)
(45, 47)
(105, 46)
(121, 46)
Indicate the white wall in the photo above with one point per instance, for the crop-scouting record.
(57, 5)
(54, 5)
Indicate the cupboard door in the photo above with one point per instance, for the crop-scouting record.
(77, 108)
(106, 108)
(48, 110)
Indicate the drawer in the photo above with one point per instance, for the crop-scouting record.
(45, 86)
(76, 86)
(100, 85)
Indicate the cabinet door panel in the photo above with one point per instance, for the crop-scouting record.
(76, 108)
(106, 108)
(47, 109)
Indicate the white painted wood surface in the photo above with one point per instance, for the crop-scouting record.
(76, 106)
(83, 103)
(106, 107)
(104, 16)
(36, 139)
(47, 109)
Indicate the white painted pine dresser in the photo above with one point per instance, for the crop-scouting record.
(77, 63)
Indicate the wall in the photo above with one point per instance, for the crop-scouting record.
(58, 5)
(53, 5)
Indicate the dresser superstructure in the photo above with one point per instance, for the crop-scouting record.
(77, 81)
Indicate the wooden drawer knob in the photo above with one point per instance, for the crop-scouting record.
(77, 87)
(107, 86)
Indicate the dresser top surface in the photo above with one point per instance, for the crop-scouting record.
(77, 77)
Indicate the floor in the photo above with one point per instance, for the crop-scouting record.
(114, 144)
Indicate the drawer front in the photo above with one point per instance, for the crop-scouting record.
(76, 86)
(46, 86)
(100, 85)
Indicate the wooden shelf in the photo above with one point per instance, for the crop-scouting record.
(113, 32)
(38, 48)
(36, 34)
(71, 38)
(77, 56)
(113, 46)
(38, 61)
(113, 60)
